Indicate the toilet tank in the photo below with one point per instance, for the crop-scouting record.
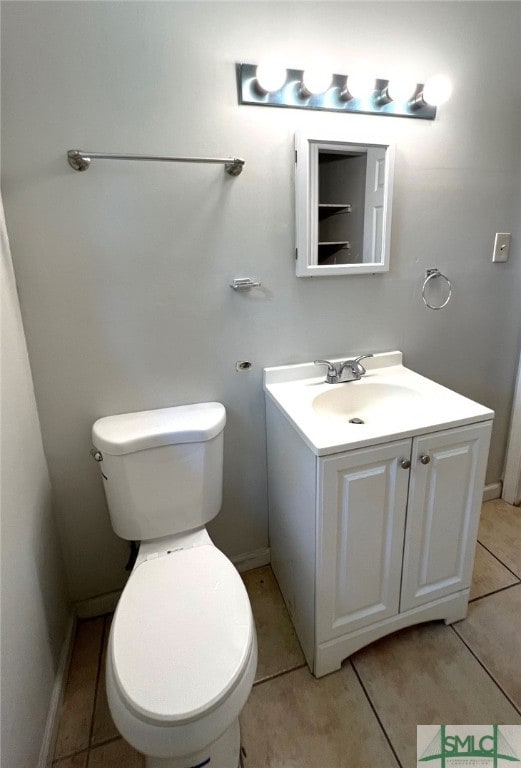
(162, 469)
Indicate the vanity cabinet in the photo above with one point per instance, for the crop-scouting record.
(371, 540)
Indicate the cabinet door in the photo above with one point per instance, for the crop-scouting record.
(362, 496)
(374, 213)
(445, 499)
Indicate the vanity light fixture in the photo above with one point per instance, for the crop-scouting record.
(359, 85)
(316, 80)
(399, 90)
(437, 90)
(318, 89)
(270, 76)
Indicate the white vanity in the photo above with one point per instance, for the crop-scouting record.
(373, 522)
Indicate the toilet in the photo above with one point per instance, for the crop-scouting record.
(182, 650)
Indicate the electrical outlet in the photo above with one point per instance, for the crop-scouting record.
(501, 246)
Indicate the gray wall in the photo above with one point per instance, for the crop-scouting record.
(124, 270)
(33, 600)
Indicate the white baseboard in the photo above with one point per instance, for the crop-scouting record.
(97, 606)
(250, 560)
(492, 491)
(51, 726)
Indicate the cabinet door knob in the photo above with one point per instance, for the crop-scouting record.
(425, 459)
(405, 463)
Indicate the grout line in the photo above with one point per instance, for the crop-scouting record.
(62, 760)
(104, 742)
(499, 561)
(375, 712)
(482, 664)
(98, 674)
(279, 674)
(101, 744)
(495, 591)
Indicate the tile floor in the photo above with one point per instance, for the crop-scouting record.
(363, 716)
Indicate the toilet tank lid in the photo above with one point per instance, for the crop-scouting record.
(131, 432)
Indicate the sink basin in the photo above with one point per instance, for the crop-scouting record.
(368, 401)
(390, 402)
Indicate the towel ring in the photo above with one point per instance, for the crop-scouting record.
(429, 275)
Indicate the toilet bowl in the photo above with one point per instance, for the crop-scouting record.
(182, 650)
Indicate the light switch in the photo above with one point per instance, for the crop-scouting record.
(501, 246)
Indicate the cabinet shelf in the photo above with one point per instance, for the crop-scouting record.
(336, 206)
(329, 251)
(325, 210)
(335, 242)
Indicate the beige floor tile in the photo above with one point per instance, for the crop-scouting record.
(279, 649)
(489, 574)
(500, 531)
(76, 761)
(117, 754)
(426, 675)
(80, 690)
(103, 728)
(492, 630)
(295, 721)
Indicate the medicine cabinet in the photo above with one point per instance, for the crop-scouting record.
(343, 191)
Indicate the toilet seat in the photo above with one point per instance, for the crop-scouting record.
(182, 635)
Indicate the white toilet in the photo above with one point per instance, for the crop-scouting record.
(182, 650)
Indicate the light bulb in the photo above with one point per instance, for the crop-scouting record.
(437, 90)
(271, 76)
(316, 79)
(360, 84)
(401, 89)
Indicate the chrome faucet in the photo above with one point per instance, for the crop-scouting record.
(344, 370)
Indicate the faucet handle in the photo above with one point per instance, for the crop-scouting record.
(358, 364)
(332, 372)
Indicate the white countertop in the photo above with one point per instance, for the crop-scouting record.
(393, 402)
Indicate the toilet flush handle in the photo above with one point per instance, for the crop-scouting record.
(96, 455)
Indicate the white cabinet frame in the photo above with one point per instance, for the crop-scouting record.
(378, 202)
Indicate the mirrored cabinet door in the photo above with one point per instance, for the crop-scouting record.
(343, 206)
